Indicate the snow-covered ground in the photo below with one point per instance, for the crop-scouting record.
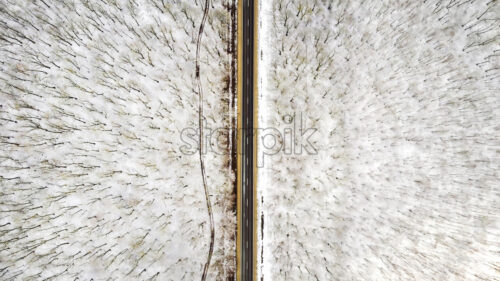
(93, 98)
(405, 183)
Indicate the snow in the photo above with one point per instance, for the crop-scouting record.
(94, 95)
(405, 97)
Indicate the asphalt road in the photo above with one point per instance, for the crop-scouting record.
(247, 172)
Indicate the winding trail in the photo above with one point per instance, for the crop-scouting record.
(200, 141)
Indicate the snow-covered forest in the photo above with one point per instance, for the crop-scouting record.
(93, 97)
(102, 103)
(405, 98)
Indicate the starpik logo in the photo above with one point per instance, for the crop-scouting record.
(292, 138)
